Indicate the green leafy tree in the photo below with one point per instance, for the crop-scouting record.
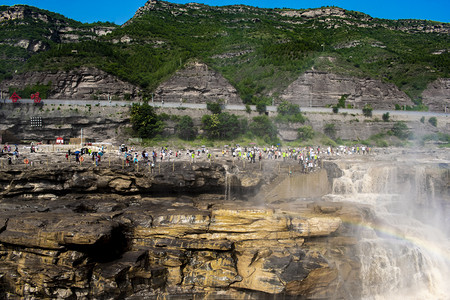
(289, 112)
(211, 126)
(230, 126)
(145, 122)
(400, 130)
(263, 127)
(185, 128)
(305, 133)
(223, 126)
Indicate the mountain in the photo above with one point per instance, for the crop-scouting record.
(260, 52)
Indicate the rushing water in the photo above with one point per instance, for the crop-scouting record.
(406, 253)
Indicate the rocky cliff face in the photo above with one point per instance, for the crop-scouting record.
(437, 95)
(61, 238)
(320, 89)
(197, 83)
(81, 83)
(108, 233)
(97, 123)
(57, 29)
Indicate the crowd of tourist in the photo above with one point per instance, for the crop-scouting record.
(308, 157)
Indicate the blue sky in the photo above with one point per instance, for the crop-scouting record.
(120, 11)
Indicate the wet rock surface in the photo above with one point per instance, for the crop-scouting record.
(87, 233)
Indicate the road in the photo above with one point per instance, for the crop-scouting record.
(228, 107)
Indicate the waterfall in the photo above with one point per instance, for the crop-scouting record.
(228, 180)
(406, 255)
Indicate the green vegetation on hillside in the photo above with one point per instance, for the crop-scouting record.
(259, 51)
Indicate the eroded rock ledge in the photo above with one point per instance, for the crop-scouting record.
(105, 234)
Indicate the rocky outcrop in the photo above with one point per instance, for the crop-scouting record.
(320, 89)
(97, 123)
(437, 95)
(87, 244)
(81, 83)
(101, 233)
(58, 29)
(197, 83)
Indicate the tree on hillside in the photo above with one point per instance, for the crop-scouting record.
(287, 108)
(305, 133)
(223, 126)
(144, 120)
(263, 127)
(400, 130)
(185, 128)
(289, 112)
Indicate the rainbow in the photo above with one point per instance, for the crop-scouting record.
(433, 247)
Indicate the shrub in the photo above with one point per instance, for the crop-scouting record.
(286, 108)
(305, 133)
(400, 130)
(288, 112)
(433, 121)
(386, 117)
(422, 120)
(341, 102)
(214, 107)
(330, 130)
(248, 109)
(367, 110)
(335, 109)
(261, 107)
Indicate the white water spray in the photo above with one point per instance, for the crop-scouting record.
(406, 255)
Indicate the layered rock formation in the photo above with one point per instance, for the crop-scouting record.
(81, 83)
(108, 233)
(97, 123)
(67, 233)
(197, 83)
(320, 89)
(437, 95)
(58, 29)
